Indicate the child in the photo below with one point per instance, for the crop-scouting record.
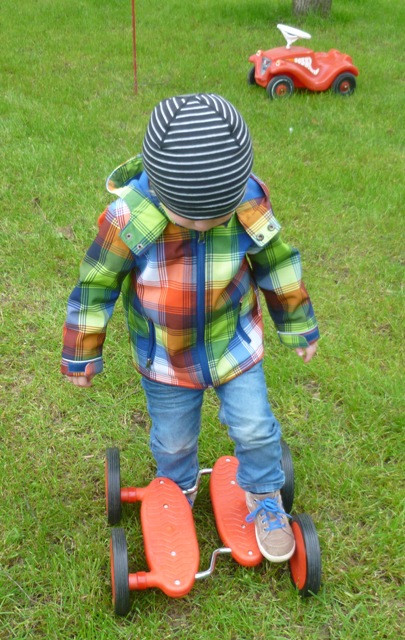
(189, 241)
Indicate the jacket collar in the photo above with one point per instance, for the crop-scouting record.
(147, 221)
(257, 218)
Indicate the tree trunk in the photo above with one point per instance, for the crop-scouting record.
(302, 7)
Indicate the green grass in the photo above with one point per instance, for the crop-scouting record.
(68, 115)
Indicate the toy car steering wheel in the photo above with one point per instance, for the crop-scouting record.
(291, 34)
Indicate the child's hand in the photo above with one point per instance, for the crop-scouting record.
(308, 352)
(79, 381)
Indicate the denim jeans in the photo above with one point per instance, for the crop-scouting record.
(176, 421)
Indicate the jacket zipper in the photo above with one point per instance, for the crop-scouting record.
(202, 354)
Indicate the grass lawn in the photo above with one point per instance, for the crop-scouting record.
(68, 116)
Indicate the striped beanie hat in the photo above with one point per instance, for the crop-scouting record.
(197, 154)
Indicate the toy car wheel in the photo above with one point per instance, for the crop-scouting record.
(119, 572)
(280, 87)
(251, 76)
(113, 486)
(305, 564)
(287, 491)
(344, 84)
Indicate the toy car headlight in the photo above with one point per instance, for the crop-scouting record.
(266, 62)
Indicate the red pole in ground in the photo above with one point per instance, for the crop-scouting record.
(134, 47)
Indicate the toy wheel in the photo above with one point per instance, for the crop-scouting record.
(305, 564)
(251, 76)
(280, 87)
(113, 486)
(344, 84)
(119, 572)
(287, 491)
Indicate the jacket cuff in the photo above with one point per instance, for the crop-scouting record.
(81, 367)
(298, 340)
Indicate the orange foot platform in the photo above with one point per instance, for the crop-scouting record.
(230, 510)
(170, 539)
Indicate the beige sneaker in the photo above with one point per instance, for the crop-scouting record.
(274, 535)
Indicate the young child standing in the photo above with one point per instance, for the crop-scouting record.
(188, 243)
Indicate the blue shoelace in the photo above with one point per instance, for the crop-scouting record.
(271, 507)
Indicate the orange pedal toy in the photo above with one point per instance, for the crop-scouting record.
(170, 540)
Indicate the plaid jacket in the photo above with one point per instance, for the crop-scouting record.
(191, 299)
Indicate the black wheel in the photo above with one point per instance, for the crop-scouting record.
(305, 564)
(287, 492)
(280, 87)
(344, 84)
(251, 76)
(113, 486)
(119, 572)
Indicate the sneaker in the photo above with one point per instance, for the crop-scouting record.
(274, 535)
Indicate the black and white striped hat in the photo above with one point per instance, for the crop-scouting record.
(197, 154)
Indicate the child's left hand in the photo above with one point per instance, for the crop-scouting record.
(308, 352)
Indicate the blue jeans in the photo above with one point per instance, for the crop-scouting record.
(176, 421)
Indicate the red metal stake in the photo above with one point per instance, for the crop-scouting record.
(134, 47)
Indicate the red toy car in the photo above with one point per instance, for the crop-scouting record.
(283, 69)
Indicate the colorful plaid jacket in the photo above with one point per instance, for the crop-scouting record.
(191, 299)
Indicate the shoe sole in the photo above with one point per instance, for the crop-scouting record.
(271, 558)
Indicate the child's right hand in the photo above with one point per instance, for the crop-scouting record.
(79, 381)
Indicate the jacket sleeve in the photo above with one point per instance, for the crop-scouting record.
(278, 273)
(91, 303)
